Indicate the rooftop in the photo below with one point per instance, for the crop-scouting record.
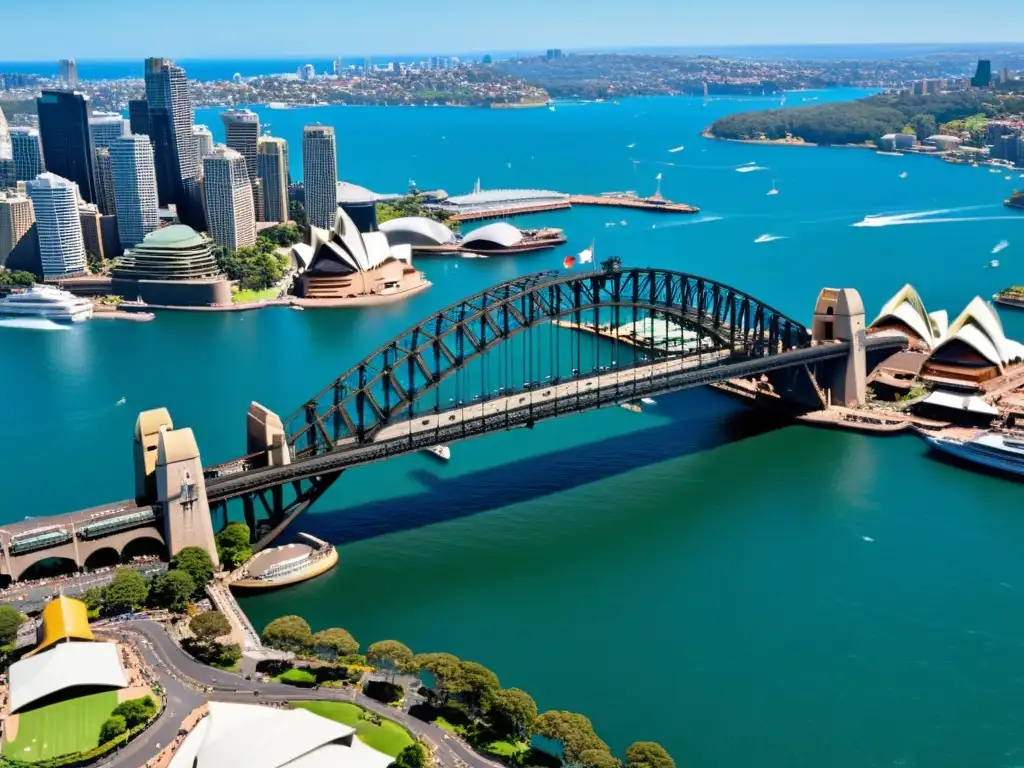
(174, 236)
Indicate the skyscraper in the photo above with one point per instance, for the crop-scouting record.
(271, 161)
(105, 198)
(320, 175)
(131, 161)
(5, 139)
(229, 200)
(982, 75)
(69, 72)
(67, 139)
(204, 141)
(28, 153)
(138, 116)
(16, 222)
(170, 123)
(61, 247)
(242, 132)
(106, 127)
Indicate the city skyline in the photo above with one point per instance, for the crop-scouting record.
(136, 31)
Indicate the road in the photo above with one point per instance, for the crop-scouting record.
(179, 673)
(39, 595)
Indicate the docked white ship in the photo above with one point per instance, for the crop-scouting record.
(47, 302)
(995, 450)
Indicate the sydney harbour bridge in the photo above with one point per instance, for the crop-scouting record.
(538, 347)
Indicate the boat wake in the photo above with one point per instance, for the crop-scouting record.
(33, 324)
(750, 168)
(688, 222)
(1002, 245)
(937, 216)
(467, 255)
(676, 149)
(769, 238)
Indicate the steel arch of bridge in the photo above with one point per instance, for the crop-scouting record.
(348, 410)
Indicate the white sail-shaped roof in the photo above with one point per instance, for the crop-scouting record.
(264, 737)
(979, 327)
(68, 665)
(414, 229)
(501, 233)
(907, 308)
(377, 249)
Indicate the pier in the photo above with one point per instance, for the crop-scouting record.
(655, 203)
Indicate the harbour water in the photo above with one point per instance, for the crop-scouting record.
(695, 575)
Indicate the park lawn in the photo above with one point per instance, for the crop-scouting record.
(388, 737)
(506, 748)
(61, 728)
(244, 296)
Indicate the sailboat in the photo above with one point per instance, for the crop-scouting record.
(773, 190)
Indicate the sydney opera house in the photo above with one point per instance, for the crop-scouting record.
(962, 355)
(428, 236)
(349, 267)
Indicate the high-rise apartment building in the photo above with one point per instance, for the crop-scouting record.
(242, 133)
(170, 121)
(320, 175)
(271, 162)
(28, 153)
(69, 72)
(106, 128)
(61, 247)
(16, 224)
(138, 116)
(982, 75)
(135, 188)
(92, 232)
(67, 138)
(105, 198)
(204, 141)
(230, 210)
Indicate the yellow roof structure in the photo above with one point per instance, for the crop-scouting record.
(64, 619)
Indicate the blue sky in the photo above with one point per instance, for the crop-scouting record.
(106, 29)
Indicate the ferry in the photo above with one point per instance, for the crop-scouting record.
(47, 302)
(442, 452)
(997, 450)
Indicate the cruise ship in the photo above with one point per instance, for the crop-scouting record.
(996, 450)
(45, 301)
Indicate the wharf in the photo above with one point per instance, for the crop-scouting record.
(655, 203)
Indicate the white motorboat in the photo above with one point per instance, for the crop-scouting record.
(442, 452)
(48, 302)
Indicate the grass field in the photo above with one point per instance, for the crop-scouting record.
(68, 726)
(243, 296)
(388, 737)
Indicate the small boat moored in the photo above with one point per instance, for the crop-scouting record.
(442, 452)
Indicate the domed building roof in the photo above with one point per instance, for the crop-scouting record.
(493, 237)
(417, 230)
(353, 193)
(174, 236)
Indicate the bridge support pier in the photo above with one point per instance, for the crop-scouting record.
(181, 493)
(265, 434)
(839, 316)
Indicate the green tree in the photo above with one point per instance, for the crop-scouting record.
(233, 547)
(288, 633)
(413, 756)
(210, 625)
(575, 732)
(924, 126)
(331, 643)
(112, 727)
(173, 590)
(127, 591)
(512, 713)
(390, 655)
(93, 598)
(446, 670)
(136, 711)
(16, 277)
(10, 621)
(599, 758)
(196, 562)
(648, 754)
(474, 685)
(297, 213)
(286, 234)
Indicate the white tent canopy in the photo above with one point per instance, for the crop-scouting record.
(263, 737)
(971, 403)
(68, 665)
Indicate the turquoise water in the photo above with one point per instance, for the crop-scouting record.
(693, 575)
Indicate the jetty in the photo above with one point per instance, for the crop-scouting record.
(655, 203)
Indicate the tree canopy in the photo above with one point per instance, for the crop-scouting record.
(474, 684)
(445, 668)
(16, 277)
(413, 756)
(390, 654)
(648, 754)
(136, 711)
(575, 732)
(334, 642)
(512, 713)
(254, 267)
(112, 727)
(10, 621)
(233, 547)
(127, 591)
(288, 633)
(210, 625)
(197, 563)
(173, 590)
